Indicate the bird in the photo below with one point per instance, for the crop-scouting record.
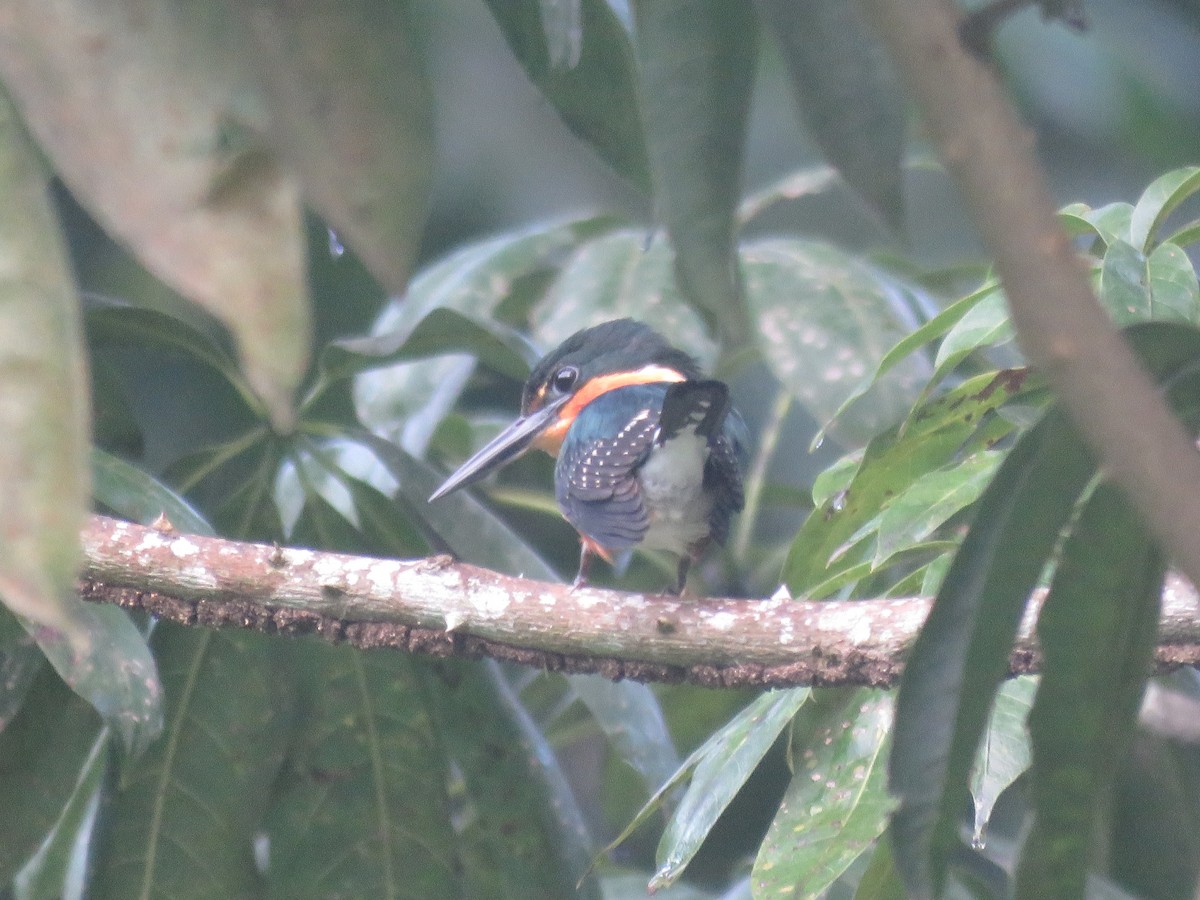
(649, 451)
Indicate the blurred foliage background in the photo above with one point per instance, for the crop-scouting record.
(288, 768)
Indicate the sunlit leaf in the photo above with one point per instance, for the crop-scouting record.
(617, 276)
(1173, 284)
(837, 803)
(363, 809)
(846, 88)
(936, 433)
(584, 66)
(823, 321)
(985, 325)
(1158, 201)
(698, 59)
(1096, 630)
(144, 114)
(961, 654)
(719, 769)
(932, 499)
(1005, 752)
(351, 113)
(184, 819)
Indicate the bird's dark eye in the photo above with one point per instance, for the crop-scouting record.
(564, 379)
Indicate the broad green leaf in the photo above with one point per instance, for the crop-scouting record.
(937, 432)
(1185, 235)
(526, 837)
(935, 328)
(719, 769)
(617, 276)
(1173, 284)
(932, 499)
(837, 803)
(632, 719)
(1111, 222)
(363, 809)
(408, 400)
(985, 325)
(837, 478)
(351, 114)
(184, 819)
(848, 93)
(126, 327)
(1123, 288)
(442, 331)
(961, 654)
(20, 662)
(1158, 201)
(1005, 751)
(42, 751)
(151, 135)
(584, 66)
(1096, 630)
(53, 872)
(44, 415)
(139, 497)
(823, 321)
(881, 881)
(698, 59)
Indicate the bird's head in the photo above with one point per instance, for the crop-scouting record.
(584, 366)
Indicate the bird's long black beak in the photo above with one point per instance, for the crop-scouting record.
(502, 449)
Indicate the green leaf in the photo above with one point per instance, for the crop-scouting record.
(985, 325)
(1173, 284)
(584, 66)
(20, 662)
(837, 802)
(961, 654)
(823, 320)
(363, 809)
(698, 59)
(153, 138)
(848, 93)
(1158, 201)
(881, 881)
(935, 328)
(1005, 752)
(442, 331)
(408, 400)
(719, 768)
(932, 499)
(1123, 287)
(352, 115)
(471, 530)
(1097, 630)
(837, 478)
(617, 276)
(139, 497)
(1111, 222)
(527, 837)
(936, 433)
(632, 719)
(183, 821)
(53, 871)
(125, 327)
(44, 415)
(793, 186)
(42, 751)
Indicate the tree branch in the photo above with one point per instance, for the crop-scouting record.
(1062, 329)
(441, 607)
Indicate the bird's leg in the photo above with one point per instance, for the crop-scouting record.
(685, 563)
(585, 563)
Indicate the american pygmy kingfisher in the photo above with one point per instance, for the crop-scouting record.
(649, 451)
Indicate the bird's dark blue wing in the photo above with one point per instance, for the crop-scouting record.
(595, 481)
(723, 474)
